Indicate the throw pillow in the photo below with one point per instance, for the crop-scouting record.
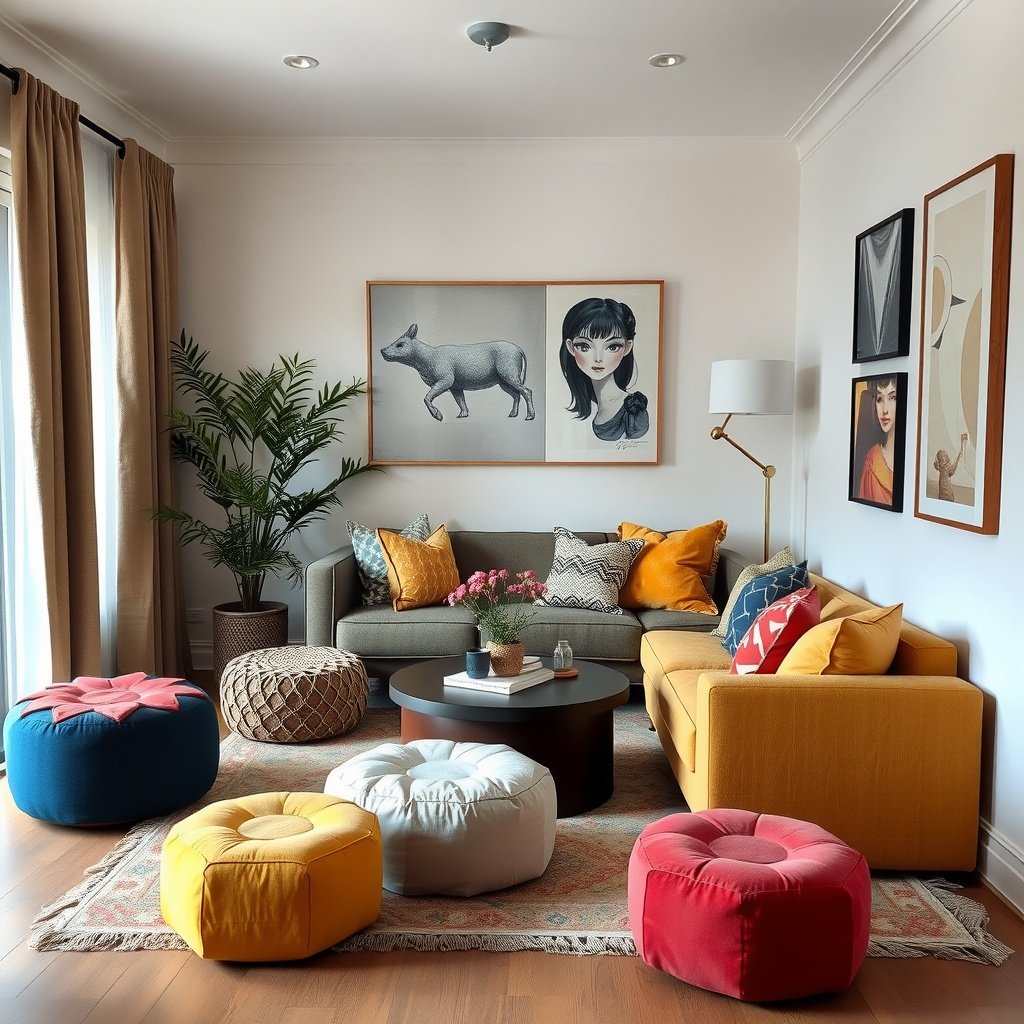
(373, 570)
(585, 576)
(778, 561)
(775, 631)
(858, 645)
(671, 569)
(757, 595)
(421, 573)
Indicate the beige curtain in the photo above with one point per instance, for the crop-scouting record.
(49, 211)
(151, 631)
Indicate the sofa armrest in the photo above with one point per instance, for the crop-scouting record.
(332, 589)
(891, 764)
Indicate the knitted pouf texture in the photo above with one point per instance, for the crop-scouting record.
(293, 694)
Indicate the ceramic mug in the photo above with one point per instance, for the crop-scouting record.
(478, 662)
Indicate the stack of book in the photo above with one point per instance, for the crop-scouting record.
(533, 672)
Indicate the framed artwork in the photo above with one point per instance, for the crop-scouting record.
(964, 307)
(514, 372)
(878, 440)
(883, 277)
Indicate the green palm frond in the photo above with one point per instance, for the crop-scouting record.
(247, 439)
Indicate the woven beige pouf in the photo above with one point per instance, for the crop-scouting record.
(292, 694)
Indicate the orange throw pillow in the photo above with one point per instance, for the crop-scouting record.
(420, 572)
(672, 570)
(863, 644)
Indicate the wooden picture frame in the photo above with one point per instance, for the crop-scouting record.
(478, 373)
(883, 279)
(965, 296)
(878, 440)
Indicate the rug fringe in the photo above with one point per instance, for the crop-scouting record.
(450, 942)
(985, 948)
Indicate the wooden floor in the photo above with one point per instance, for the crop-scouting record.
(39, 861)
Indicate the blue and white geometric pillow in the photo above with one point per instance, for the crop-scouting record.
(757, 595)
(373, 572)
(588, 575)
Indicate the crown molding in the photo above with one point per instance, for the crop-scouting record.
(908, 29)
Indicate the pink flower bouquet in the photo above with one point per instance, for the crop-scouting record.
(498, 599)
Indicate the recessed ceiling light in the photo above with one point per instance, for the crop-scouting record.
(666, 60)
(300, 61)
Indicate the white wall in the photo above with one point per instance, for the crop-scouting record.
(955, 104)
(278, 241)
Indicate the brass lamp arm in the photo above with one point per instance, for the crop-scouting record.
(768, 471)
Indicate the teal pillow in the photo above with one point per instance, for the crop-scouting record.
(373, 572)
(757, 595)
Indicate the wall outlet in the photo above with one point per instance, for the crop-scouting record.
(195, 615)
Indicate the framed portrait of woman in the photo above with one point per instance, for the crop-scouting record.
(878, 438)
(514, 372)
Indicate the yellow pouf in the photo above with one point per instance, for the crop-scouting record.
(275, 876)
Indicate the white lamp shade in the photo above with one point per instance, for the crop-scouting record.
(752, 387)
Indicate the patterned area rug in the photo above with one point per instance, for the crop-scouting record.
(578, 906)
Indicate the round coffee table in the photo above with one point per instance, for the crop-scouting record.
(564, 724)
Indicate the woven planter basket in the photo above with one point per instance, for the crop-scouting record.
(293, 694)
(235, 632)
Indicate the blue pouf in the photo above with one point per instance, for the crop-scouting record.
(104, 751)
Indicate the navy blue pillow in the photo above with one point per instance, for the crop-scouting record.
(757, 595)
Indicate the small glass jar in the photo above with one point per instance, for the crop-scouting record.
(563, 656)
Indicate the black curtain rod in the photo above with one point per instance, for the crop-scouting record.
(91, 125)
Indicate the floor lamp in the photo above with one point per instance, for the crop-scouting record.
(752, 387)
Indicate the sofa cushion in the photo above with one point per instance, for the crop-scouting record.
(778, 561)
(373, 570)
(658, 618)
(775, 631)
(588, 576)
(420, 572)
(858, 645)
(381, 632)
(666, 651)
(599, 636)
(757, 595)
(673, 570)
(677, 703)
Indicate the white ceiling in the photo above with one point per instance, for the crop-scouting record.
(405, 68)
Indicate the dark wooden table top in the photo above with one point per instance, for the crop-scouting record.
(421, 688)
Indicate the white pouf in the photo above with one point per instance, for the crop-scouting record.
(455, 818)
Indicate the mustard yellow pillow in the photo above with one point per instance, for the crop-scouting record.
(863, 644)
(672, 569)
(420, 572)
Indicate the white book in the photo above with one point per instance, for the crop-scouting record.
(501, 684)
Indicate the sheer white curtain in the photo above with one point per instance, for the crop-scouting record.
(98, 164)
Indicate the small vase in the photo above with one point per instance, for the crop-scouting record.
(506, 659)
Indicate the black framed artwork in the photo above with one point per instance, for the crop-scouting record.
(883, 278)
(878, 440)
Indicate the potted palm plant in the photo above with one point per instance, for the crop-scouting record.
(247, 439)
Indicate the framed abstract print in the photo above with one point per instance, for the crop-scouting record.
(964, 308)
(878, 440)
(883, 278)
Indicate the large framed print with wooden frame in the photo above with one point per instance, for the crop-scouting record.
(883, 278)
(878, 440)
(514, 372)
(964, 307)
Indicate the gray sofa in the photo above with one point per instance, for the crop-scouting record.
(387, 640)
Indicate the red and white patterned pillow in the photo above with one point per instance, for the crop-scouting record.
(775, 631)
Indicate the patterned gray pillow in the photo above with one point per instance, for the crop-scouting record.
(585, 576)
(778, 561)
(373, 572)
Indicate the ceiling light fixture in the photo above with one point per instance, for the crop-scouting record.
(488, 33)
(666, 60)
(300, 61)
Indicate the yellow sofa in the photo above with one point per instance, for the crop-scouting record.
(891, 763)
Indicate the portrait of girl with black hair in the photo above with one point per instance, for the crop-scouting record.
(599, 367)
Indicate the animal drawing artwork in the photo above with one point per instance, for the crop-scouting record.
(462, 368)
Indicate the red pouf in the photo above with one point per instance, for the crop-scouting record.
(754, 906)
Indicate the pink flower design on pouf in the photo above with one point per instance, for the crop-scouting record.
(116, 698)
